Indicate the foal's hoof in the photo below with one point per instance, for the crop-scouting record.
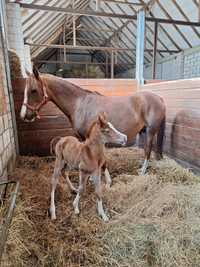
(105, 218)
(76, 211)
(108, 186)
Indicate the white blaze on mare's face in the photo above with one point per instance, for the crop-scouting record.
(120, 135)
(24, 107)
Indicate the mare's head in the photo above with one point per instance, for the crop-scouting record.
(107, 132)
(35, 96)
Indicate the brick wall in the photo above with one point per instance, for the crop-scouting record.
(7, 141)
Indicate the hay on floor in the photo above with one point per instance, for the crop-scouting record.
(154, 219)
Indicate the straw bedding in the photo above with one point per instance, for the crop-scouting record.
(154, 219)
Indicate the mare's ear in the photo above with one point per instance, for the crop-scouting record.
(36, 72)
(102, 118)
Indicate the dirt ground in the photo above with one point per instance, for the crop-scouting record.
(154, 219)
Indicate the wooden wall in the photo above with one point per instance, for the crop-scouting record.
(182, 98)
(34, 137)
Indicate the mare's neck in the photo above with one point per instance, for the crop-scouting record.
(63, 94)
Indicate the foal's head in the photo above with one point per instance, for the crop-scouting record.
(106, 132)
(35, 96)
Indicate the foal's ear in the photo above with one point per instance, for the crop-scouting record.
(102, 118)
(36, 72)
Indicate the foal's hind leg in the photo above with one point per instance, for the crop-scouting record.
(54, 181)
(66, 176)
(150, 133)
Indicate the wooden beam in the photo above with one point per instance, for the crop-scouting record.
(140, 47)
(41, 61)
(122, 2)
(91, 13)
(101, 48)
(155, 50)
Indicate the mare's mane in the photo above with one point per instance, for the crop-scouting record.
(74, 85)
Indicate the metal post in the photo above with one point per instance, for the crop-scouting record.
(112, 65)
(74, 31)
(199, 9)
(106, 65)
(155, 50)
(64, 39)
(140, 47)
(97, 5)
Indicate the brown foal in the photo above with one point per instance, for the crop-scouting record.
(88, 157)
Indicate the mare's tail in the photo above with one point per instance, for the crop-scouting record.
(53, 143)
(160, 139)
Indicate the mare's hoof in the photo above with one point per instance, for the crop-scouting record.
(141, 172)
(53, 217)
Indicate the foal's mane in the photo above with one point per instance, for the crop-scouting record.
(45, 75)
(92, 125)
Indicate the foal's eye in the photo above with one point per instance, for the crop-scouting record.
(106, 130)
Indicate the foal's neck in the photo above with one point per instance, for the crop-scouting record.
(94, 140)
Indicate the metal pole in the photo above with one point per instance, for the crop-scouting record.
(64, 39)
(112, 65)
(74, 31)
(106, 65)
(140, 47)
(155, 50)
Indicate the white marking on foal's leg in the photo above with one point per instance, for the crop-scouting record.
(101, 211)
(108, 178)
(144, 167)
(52, 207)
(76, 204)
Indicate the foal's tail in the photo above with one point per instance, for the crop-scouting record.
(53, 143)
(160, 139)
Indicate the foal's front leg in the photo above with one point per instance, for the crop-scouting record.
(107, 176)
(98, 191)
(54, 182)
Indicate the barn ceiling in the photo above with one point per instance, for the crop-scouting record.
(41, 26)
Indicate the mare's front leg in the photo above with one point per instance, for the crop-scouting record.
(83, 176)
(98, 191)
(54, 181)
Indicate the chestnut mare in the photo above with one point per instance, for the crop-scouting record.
(129, 114)
(88, 157)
